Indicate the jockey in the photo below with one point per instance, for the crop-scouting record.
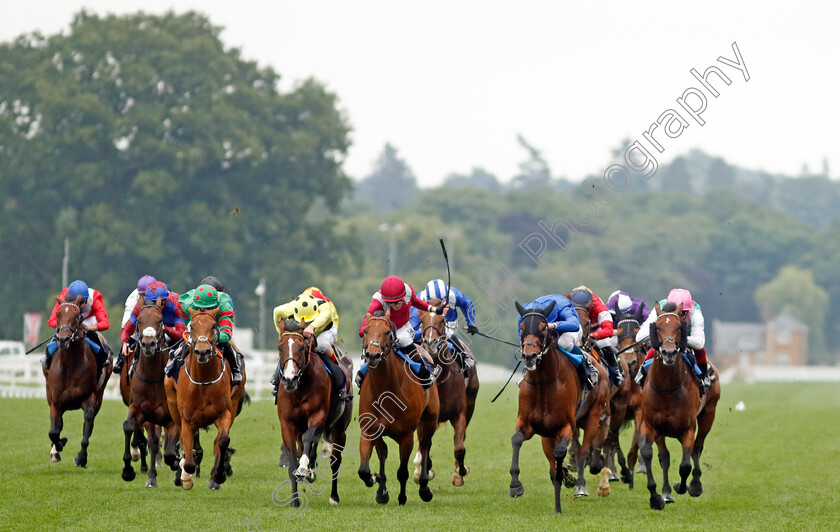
(627, 304)
(321, 319)
(94, 319)
(398, 296)
(134, 297)
(564, 324)
(457, 300)
(693, 318)
(155, 294)
(205, 298)
(601, 329)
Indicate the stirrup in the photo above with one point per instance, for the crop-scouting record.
(640, 377)
(360, 378)
(592, 380)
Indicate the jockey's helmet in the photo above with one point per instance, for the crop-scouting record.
(392, 289)
(306, 308)
(581, 297)
(215, 283)
(205, 296)
(144, 283)
(76, 289)
(681, 295)
(156, 290)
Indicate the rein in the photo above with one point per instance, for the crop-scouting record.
(291, 357)
(214, 381)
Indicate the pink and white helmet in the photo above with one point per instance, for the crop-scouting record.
(681, 295)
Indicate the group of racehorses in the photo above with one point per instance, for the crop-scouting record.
(553, 403)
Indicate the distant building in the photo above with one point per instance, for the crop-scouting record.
(782, 341)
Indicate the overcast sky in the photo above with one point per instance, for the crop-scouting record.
(451, 83)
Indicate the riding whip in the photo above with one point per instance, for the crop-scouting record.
(448, 273)
(39, 345)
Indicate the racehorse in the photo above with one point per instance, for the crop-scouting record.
(73, 381)
(203, 396)
(308, 407)
(672, 406)
(624, 403)
(549, 396)
(139, 442)
(148, 407)
(457, 395)
(393, 403)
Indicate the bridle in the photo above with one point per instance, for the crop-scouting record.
(539, 343)
(660, 352)
(156, 332)
(74, 332)
(384, 349)
(291, 358)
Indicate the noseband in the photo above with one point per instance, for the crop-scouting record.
(392, 336)
(660, 352)
(308, 346)
(74, 331)
(539, 344)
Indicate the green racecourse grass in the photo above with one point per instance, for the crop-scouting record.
(773, 466)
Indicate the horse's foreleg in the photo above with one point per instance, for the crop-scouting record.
(310, 440)
(339, 438)
(129, 426)
(365, 449)
(56, 426)
(425, 431)
(704, 425)
(140, 442)
(685, 464)
(154, 453)
(382, 496)
(665, 464)
(187, 442)
(459, 424)
(220, 449)
(89, 410)
(406, 446)
(516, 488)
(173, 434)
(646, 450)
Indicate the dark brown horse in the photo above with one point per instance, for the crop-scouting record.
(73, 381)
(139, 443)
(457, 394)
(203, 396)
(672, 406)
(392, 403)
(148, 407)
(624, 403)
(308, 408)
(549, 396)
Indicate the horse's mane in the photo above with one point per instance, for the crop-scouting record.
(669, 306)
(291, 325)
(379, 313)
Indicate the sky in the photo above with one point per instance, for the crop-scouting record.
(452, 83)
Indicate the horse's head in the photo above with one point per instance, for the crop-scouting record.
(433, 330)
(151, 329)
(379, 337)
(627, 325)
(534, 334)
(668, 334)
(68, 322)
(202, 334)
(585, 325)
(295, 351)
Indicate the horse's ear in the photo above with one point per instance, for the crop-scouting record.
(57, 300)
(281, 325)
(638, 314)
(658, 308)
(547, 310)
(679, 309)
(683, 337)
(654, 335)
(520, 308)
(192, 311)
(215, 312)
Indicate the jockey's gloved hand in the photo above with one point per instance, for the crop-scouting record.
(472, 329)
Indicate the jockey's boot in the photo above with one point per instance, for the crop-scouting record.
(587, 372)
(705, 374)
(640, 375)
(118, 364)
(230, 356)
(360, 376)
(608, 354)
(339, 379)
(427, 371)
(464, 357)
(176, 358)
(46, 360)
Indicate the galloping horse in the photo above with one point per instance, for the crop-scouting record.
(148, 407)
(307, 407)
(671, 406)
(549, 396)
(457, 395)
(623, 404)
(201, 396)
(139, 442)
(71, 381)
(392, 403)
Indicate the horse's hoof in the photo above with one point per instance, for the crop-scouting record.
(178, 480)
(426, 494)
(416, 477)
(679, 487)
(581, 491)
(657, 502)
(135, 454)
(55, 457)
(80, 460)
(641, 468)
(569, 481)
(401, 499)
(302, 473)
(128, 474)
(151, 483)
(334, 500)
(212, 485)
(431, 474)
(311, 476)
(382, 497)
(144, 469)
(695, 489)
(626, 477)
(187, 484)
(158, 461)
(668, 498)
(457, 480)
(516, 491)
(613, 477)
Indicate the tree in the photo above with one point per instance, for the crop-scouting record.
(156, 150)
(391, 185)
(795, 290)
(533, 172)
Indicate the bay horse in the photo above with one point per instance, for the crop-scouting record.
(392, 403)
(148, 407)
(203, 396)
(549, 396)
(139, 443)
(672, 406)
(308, 407)
(623, 404)
(72, 381)
(457, 394)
